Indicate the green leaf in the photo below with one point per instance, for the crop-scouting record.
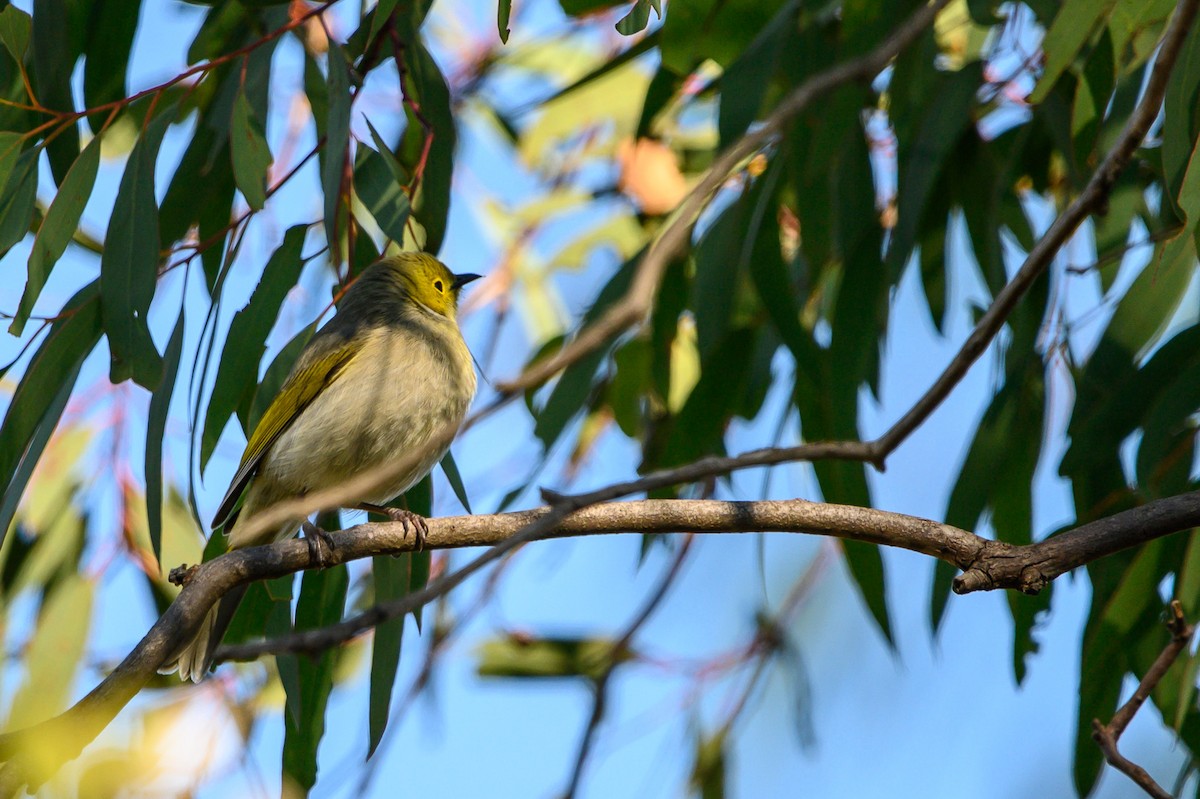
(638, 17)
(503, 12)
(391, 578)
(53, 62)
(55, 653)
(1071, 29)
(579, 8)
(37, 444)
(18, 199)
(110, 31)
(377, 185)
(540, 658)
(40, 396)
(156, 425)
(570, 393)
(337, 139)
(322, 600)
(129, 264)
(431, 205)
(15, 26)
(251, 154)
(946, 115)
(57, 228)
(718, 269)
(237, 373)
(450, 468)
(1131, 606)
(744, 85)
(709, 768)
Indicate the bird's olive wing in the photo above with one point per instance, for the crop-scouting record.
(313, 374)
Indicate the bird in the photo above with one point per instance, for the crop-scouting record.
(378, 382)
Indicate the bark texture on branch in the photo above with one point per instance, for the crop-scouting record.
(988, 564)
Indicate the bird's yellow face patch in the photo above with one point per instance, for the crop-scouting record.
(428, 281)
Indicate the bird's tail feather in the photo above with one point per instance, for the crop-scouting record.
(195, 658)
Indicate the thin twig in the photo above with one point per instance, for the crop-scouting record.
(617, 653)
(1106, 736)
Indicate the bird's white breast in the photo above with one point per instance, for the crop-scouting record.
(388, 402)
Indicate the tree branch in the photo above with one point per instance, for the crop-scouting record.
(1093, 198)
(1107, 735)
(636, 303)
(1006, 566)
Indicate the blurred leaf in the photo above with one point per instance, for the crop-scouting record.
(15, 27)
(129, 264)
(322, 599)
(1071, 29)
(708, 770)
(53, 62)
(574, 386)
(1132, 606)
(717, 29)
(18, 198)
(718, 269)
(745, 83)
(251, 154)
(579, 8)
(1180, 126)
(110, 31)
(946, 114)
(55, 653)
(156, 425)
(541, 658)
(50, 375)
(638, 17)
(1092, 95)
(237, 373)
(57, 228)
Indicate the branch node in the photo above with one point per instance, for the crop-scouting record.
(1033, 580)
(973, 579)
(182, 574)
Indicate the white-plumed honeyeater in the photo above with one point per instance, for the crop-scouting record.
(375, 384)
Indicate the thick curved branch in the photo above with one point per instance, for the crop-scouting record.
(1005, 566)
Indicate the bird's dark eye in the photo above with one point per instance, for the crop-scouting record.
(437, 284)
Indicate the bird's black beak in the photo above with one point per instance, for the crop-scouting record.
(462, 280)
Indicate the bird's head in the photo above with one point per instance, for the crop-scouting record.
(424, 279)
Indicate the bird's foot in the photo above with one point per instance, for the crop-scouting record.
(413, 522)
(418, 523)
(320, 544)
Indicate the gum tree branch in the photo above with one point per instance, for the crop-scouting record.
(1107, 735)
(1004, 565)
(637, 301)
